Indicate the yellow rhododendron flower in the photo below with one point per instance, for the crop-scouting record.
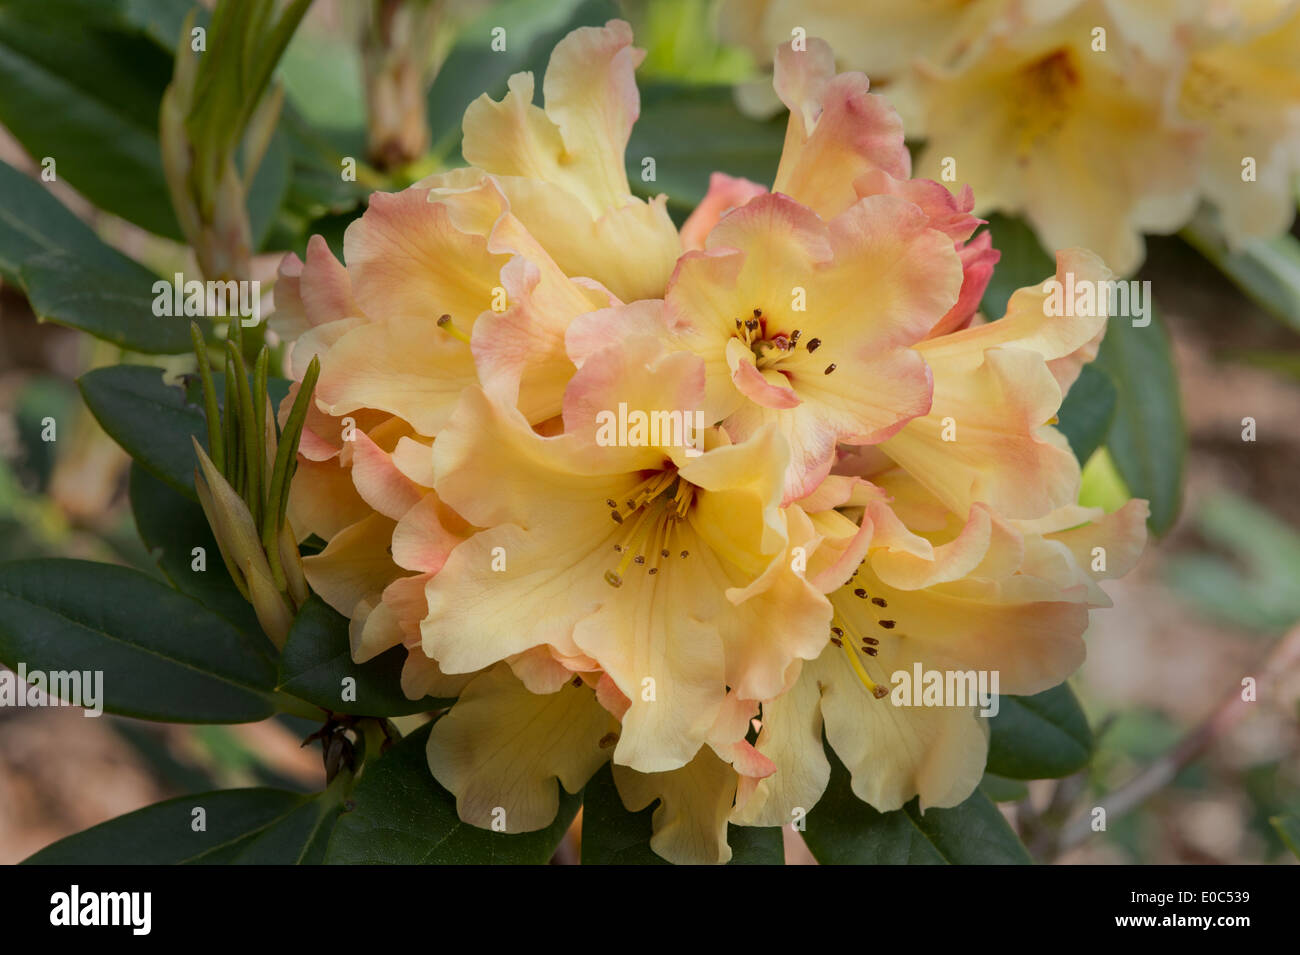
(1095, 120)
(624, 490)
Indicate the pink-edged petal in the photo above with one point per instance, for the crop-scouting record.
(725, 193)
(978, 257)
(837, 130)
(408, 261)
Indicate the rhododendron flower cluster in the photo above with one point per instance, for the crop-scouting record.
(1143, 109)
(877, 485)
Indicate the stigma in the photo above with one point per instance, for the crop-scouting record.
(769, 346)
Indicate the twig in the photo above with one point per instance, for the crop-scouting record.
(1231, 710)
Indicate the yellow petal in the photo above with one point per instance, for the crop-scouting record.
(501, 749)
(690, 822)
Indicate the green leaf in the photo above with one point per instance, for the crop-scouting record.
(1087, 412)
(691, 132)
(33, 222)
(242, 825)
(1023, 263)
(162, 19)
(152, 421)
(269, 188)
(171, 526)
(1267, 270)
(1288, 828)
(316, 187)
(401, 815)
(299, 838)
(1001, 789)
(1249, 580)
(843, 830)
(163, 655)
(116, 306)
(613, 836)
(1044, 736)
(1147, 439)
(73, 278)
(87, 94)
(317, 658)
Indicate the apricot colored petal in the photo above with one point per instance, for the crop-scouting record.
(504, 752)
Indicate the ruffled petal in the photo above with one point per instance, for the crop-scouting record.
(504, 751)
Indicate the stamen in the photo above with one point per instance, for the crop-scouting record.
(868, 648)
(874, 688)
(448, 326)
(814, 344)
(658, 502)
(829, 368)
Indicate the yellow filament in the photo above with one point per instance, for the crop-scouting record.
(448, 326)
(874, 688)
(632, 543)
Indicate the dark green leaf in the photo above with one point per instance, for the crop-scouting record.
(317, 658)
(299, 838)
(1000, 789)
(269, 188)
(162, 19)
(691, 132)
(613, 836)
(1087, 412)
(33, 222)
(403, 816)
(1147, 439)
(843, 830)
(1044, 736)
(116, 306)
(262, 823)
(1267, 270)
(171, 526)
(87, 94)
(163, 655)
(152, 421)
(316, 186)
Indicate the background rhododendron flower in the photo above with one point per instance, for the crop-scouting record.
(1095, 120)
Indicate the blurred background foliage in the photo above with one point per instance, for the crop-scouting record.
(384, 83)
